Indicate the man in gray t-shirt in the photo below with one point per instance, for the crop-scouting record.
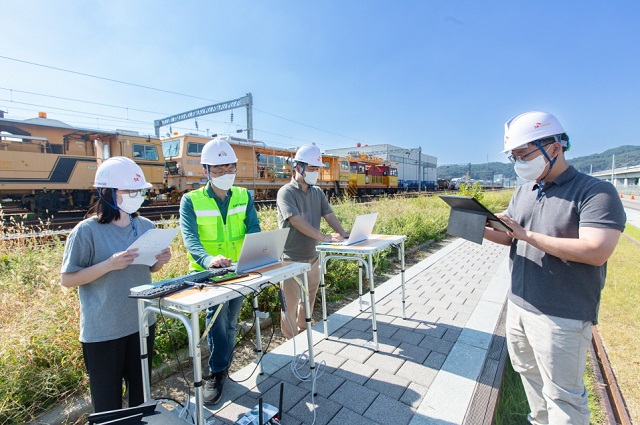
(565, 225)
(300, 206)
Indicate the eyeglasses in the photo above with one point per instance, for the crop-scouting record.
(220, 170)
(523, 158)
(133, 193)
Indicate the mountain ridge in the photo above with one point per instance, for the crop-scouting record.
(624, 155)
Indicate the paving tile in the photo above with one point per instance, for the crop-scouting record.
(327, 383)
(414, 395)
(356, 372)
(421, 361)
(389, 411)
(346, 416)
(356, 352)
(384, 361)
(358, 324)
(331, 345)
(354, 397)
(409, 336)
(386, 383)
(412, 353)
(331, 360)
(325, 410)
(417, 373)
(435, 360)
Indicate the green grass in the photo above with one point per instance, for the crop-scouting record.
(619, 321)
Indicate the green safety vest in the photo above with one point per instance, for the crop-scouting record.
(216, 237)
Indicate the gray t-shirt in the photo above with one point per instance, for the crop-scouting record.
(550, 285)
(106, 311)
(312, 205)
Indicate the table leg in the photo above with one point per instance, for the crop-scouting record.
(360, 302)
(402, 266)
(323, 270)
(143, 329)
(258, 336)
(307, 314)
(197, 370)
(373, 304)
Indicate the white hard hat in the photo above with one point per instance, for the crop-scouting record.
(531, 126)
(121, 173)
(218, 152)
(309, 154)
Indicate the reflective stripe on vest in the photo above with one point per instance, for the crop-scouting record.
(216, 237)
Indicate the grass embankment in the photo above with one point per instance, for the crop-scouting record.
(619, 325)
(619, 321)
(40, 355)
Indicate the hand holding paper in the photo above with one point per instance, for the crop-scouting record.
(152, 243)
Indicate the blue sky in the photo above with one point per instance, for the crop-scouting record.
(442, 75)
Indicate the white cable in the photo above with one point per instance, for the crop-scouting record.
(298, 362)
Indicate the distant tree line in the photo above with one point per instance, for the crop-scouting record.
(624, 156)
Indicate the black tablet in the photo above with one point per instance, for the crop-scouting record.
(472, 204)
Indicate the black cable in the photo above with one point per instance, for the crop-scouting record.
(265, 350)
(174, 350)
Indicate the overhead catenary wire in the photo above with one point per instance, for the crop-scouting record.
(170, 92)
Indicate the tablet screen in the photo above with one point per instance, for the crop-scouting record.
(471, 203)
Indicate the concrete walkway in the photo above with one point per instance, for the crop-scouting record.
(439, 366)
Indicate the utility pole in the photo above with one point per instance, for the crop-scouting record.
(420, 171)
(613, 167)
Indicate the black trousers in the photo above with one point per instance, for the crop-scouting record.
(108, 363)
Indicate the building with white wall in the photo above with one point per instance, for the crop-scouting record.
(411, 162)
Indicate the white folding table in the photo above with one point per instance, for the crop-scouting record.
(361, 252)
(185, 306)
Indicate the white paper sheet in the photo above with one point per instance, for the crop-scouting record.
(152, 243)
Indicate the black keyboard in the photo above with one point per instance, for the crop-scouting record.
(171, 286)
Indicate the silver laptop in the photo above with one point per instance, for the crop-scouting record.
(261, 249)
(361, 230)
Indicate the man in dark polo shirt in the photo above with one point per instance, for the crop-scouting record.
(565, 225)
(300, 207)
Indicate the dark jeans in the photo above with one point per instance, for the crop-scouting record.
(108, 363)
(222, 335)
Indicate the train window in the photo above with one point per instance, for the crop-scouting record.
(170, 148)
(344, 165)
(194, 149)
(145, 152)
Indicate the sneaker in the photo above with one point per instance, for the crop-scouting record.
(213, 387)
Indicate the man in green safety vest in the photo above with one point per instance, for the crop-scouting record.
(214, 221)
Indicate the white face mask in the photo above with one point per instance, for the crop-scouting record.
(310, 177)
(531, 169)
(223, 182)
(129, 204)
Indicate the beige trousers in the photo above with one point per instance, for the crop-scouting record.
(294, 317)
(550, 354)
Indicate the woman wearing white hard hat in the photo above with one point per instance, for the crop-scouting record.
(565, 225)
(214, 221)
(96, 260)
(300, 207)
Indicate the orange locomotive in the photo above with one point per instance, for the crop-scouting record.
(370, 175)
(47, 165)
(261, 168)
